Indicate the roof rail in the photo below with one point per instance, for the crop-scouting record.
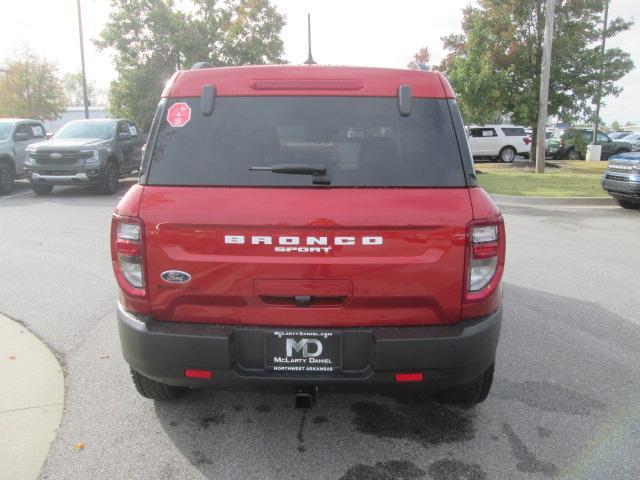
(200, 65)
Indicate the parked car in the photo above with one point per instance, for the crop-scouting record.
(563, 146)
(619, 135)
(86, 152)
(15, 136)
(634, 140)
(621, 179)
(500, 142)
(247, 260)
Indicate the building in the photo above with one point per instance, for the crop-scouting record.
(75, 113)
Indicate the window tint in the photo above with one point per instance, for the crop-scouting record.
(601, 137)
(483, 132)
(514, 132)
(360, 141)
(87, 129)
(5, 130)
(24, 128)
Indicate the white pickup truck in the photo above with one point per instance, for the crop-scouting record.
(499, 142)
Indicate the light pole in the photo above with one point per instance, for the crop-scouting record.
(544, 86)
(599, 93)
(84, 74)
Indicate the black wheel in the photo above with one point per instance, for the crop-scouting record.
(6, 178)
(109, 180)
(628, 205)
(471, 393)
(573, 154)
(41, 189)
(507, 154)
(155, 390)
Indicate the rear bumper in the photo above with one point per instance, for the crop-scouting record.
(447, 355)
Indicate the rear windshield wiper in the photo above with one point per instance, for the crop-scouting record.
(292, 168)
(317, 171)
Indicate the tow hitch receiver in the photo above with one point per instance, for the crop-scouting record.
(306, 398)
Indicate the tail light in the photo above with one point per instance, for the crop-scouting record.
(561, 143)
(485, 264)
(527, 140)
(127, 255)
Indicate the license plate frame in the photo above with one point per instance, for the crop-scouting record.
(303, 351)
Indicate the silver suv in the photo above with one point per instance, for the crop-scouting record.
(15, 136)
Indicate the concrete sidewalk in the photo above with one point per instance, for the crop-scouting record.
(31, 401)
(522, 200)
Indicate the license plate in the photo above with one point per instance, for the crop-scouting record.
(303, 351)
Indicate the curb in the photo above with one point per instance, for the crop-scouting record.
(31, 400)
(555, 201)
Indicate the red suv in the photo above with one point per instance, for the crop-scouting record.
(309, 229)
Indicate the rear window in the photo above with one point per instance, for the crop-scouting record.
(361, 141)
(514, 132)
(482, 132)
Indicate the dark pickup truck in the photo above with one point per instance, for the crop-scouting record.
(86, 152)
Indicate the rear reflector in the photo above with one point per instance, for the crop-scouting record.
(203, 374)
(409, 377)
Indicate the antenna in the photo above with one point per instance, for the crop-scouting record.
(310, 60)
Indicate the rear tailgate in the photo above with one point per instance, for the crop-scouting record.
(306, 257)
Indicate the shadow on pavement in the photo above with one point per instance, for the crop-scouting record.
(557, 379)
(22, 195)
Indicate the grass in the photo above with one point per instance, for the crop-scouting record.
(561, 179)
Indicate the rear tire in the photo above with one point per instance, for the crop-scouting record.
(155, 390)
(471, 393)
(573, 154)
(6, 178)
(109, 180)
(508, 154)
(628, 205)
(41, 189)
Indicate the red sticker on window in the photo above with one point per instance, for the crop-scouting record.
(179, 114)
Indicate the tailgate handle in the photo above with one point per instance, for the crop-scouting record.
(304, 301)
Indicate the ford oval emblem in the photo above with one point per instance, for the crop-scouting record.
(56, 156)
(175, 276)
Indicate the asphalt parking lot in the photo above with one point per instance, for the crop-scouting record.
(565, 402)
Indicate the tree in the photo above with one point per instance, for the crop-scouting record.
(420, 60)
(30, 88)
(73, 90)
(152, 39)
(495, 64)
(615, 125)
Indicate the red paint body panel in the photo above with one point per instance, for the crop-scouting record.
(483, 205)
(130, 203)
(321, 80)
(414, 278)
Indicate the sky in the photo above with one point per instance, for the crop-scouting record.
(380, 33)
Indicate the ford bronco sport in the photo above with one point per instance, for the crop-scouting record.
(309, 229)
